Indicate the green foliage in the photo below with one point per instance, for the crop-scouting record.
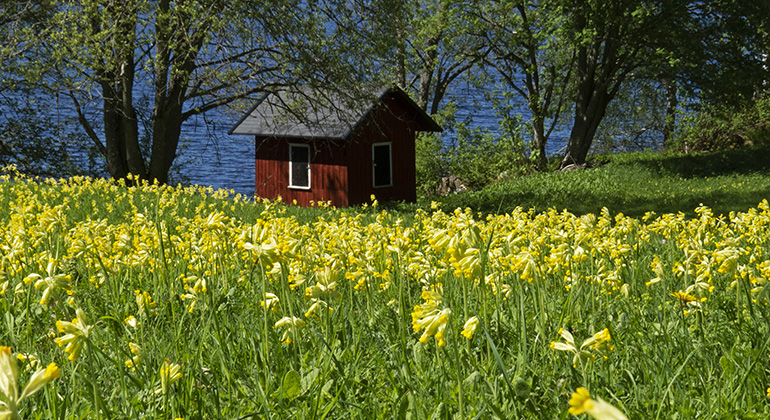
(38, 144)
(479, 157)
(635, 120)
(726, 127)
(430, 165)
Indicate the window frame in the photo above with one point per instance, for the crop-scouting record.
(389, 144)
(292, 162)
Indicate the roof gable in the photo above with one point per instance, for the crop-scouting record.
(320, 114)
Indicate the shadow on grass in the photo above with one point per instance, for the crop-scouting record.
(634, 184)
(731, 162)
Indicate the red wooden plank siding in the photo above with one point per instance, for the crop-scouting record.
(328, 174)
(389, 124)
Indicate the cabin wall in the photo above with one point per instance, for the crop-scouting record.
(328, 172)
(390, 123)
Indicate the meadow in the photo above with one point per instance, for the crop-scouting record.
(168, 302)
(634, 184)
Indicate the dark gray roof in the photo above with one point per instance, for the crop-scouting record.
(317, 114)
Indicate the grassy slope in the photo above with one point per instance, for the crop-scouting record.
(636, 183)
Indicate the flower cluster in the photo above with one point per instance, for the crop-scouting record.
(581, 402)
(9, 376)
(598, 343)
(431, 316)
(75, 334)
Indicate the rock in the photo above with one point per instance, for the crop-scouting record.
(450, 184)
(572, 167)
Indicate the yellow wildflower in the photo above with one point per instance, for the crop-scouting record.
(137, 352)
(291, 324)
(145, 303)
(51, 282)
(685, 298)
(577, 403)
(270, 301)
(169, 374)
(9, 375)
(132, 322)
(430, 316)
(470, 327)
(316, 307)
(76, 334)
(581, 402)
(598, 342)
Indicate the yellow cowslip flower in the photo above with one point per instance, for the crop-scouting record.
(317, 305)
(132, 322)
(602, 336)
(598, 342)
(581, 402)
(326, 285)
(291, 324)
(51, 282)
(9, 375)
(145, 303)
(76, 334)
(470, 327)
(169, 374)
(430, 317)
(191, 297)
(434, 321)
(133, 362)
(270, 302)
(32, 362)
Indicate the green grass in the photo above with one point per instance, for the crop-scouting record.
(634, 184)
(91, 245)
(363, 359)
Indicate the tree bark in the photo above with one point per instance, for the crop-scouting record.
(599, 79)
(670, 122)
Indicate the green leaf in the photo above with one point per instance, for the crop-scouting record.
(291, 385)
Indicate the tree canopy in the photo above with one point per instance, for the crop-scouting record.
(133, 71)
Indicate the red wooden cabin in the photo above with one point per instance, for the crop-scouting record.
(318, 146)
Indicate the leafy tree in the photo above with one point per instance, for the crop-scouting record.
(616, 40)
(639, 118)
(527, 56)
(422, 46)
(133, 71)
(20, 20)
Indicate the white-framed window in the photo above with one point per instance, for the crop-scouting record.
(382, 165)
(299, 166)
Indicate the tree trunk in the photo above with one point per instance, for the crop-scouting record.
(599, 79)
(671, 104)
(426, 76)
(113, 135)
(539, 138)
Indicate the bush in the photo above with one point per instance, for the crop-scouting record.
(721, 128)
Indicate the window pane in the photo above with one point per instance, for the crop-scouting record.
(300, 163)
(381, 160)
